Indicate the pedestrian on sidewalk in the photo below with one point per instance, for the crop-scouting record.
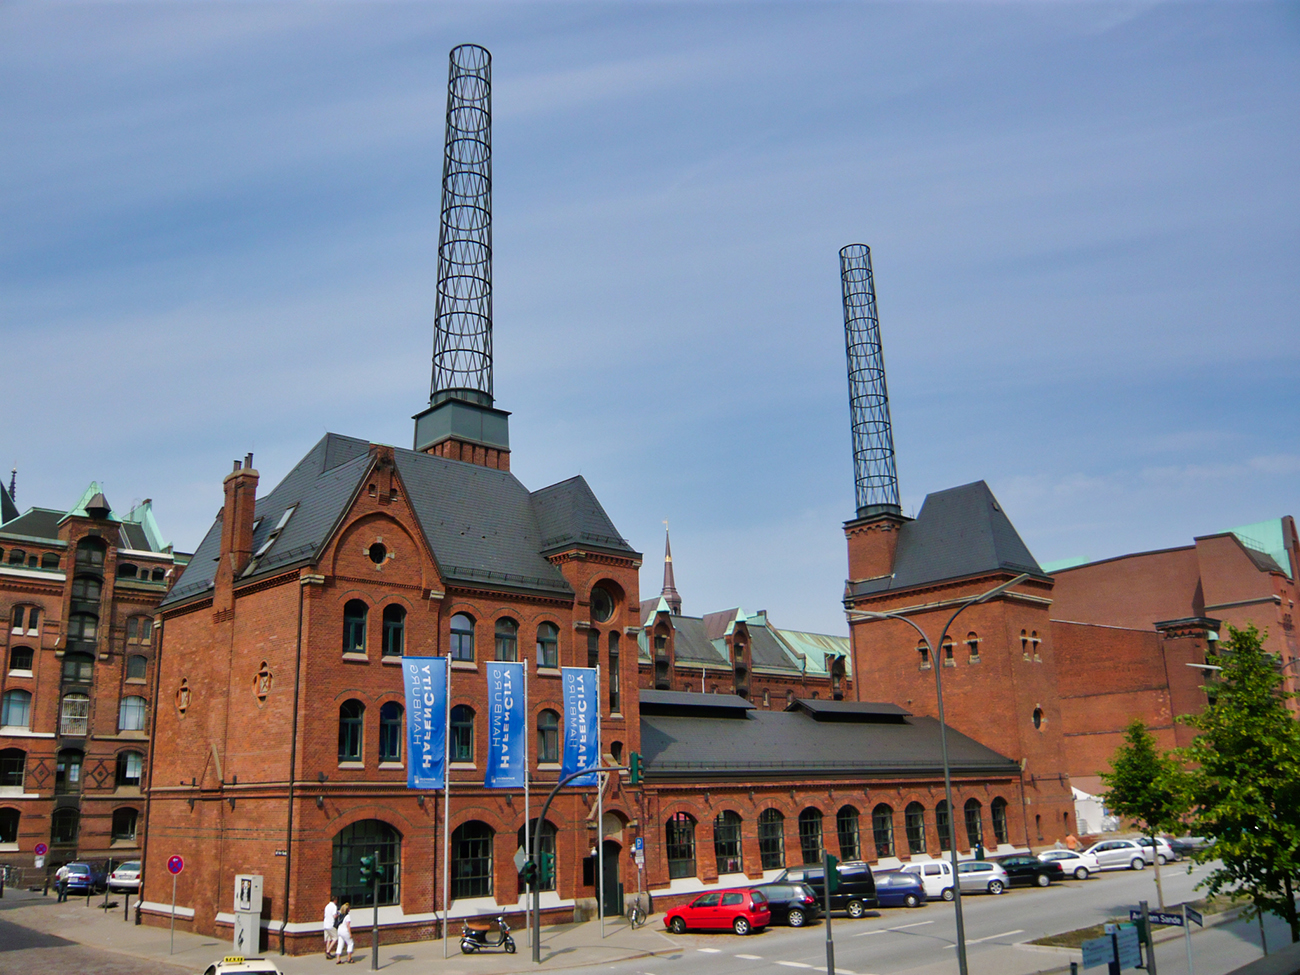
(331, 931)
(61, 882)
(345, 933)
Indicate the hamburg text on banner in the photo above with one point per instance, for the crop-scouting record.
(581, 723)
(506, 726)
(425, 680)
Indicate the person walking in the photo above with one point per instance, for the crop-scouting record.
(331, 932)
(61, 882)
(345, 933)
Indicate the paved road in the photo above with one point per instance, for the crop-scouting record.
(27, 952)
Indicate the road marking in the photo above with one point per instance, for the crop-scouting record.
(751, 957)
(992, 937)
(710, 951)
(794, 964)
(901, 927)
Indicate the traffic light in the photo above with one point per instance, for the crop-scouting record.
(832, 873)
(635, 778)
(546, 874)
(528, 875)
(368, 870)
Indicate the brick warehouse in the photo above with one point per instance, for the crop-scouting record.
(78, 591)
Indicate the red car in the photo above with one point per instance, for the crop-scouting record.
(741, 910)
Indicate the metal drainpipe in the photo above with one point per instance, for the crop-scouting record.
(293, 770)
(148, 792)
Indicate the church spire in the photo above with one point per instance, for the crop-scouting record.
(670, 594)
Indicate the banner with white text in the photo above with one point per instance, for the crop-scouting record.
(425, 680)
(507, 726)
(581, 723)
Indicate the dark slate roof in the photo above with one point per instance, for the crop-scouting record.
(685, 702)
(133, 536)
(821, 710)
(481, 524)
(768, 651)
(692, 645)
(960, 532)
(569, 514)
(1262, 560)
(8, 510)
(35, 523)
(785, 745)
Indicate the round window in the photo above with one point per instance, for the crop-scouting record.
(602, 604)
(1038, 717)
(377, 553)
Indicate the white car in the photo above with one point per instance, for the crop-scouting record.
(1119, 855)
(936, 878)
(1164, 852)
(1082, 865)
(239, 965)
(126, 877)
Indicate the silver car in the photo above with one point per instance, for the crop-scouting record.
(1079, 864)
(979, 876)
(1118, 855)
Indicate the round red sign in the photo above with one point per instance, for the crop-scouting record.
(175, 865)
(41, 849)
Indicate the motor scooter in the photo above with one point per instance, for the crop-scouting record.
(478, 935)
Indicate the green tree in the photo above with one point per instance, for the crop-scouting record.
(1245, 781)
(1147, 787)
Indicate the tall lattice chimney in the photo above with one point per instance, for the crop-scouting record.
(461, 421)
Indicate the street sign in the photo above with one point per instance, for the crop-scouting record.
(1130, 955)
(520, 859)
(1194, 916)
(1098, 952)
(175, 865)
(639, 845)
(42, 849)
(1158, 917)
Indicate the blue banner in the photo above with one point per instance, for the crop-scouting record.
(507, 726)
(425, 680)
(581, 723)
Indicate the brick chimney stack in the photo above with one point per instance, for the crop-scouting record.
(236, 531)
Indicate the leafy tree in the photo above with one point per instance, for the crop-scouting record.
(1245, 781)
(1147, 787)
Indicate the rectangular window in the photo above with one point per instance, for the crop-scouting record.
(593, 648)
(74, 719)
(613, 673)
(681, 846)
(944, 824)
(130, 715)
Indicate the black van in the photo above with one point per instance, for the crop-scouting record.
(855, 895)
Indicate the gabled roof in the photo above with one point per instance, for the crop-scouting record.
(960, 532)
(691, 644)
(686, 702)
(8, 510)
(35, 523)
(859, 711)
(568, 514)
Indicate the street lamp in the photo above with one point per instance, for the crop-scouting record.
(937, 664)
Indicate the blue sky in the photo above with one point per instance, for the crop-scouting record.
(220, 223)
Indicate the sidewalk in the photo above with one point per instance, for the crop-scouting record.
(563, 946)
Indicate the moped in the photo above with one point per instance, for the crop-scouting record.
(478, 935)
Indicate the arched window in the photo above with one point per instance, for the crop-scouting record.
(86, 589)
(615, 684)
(9, 825)
(352, 717)
(549, 833)
(83, 627)
(771, 839)
(1038, 718)
(882, 828)
(124, 821)
(846, 827)
(462, 733)
(130, 767)
(50, 560)
(74, 715)
(394, 630)
(17, 709)
(354, 626)
(159, 575)
(943, 823)
(974, 826)
(462, 637)
(131, 714)
(363, 839)
(13, 768)
(67, 771)
(33, 615)
(923, 652)
(136, 666)
(914, 823)
(726, 842)
(90, 552)
(548, 737)
(548, 645)
(78, 667)
(999, 809)
(17, 557)
(63, 826)
(679, 842)
(139, 630)
(390, 732)
(20, 659)
(810, 835)
(471, 860)
(507, 634)
(125, 570)
(973, 646)
(593, 648)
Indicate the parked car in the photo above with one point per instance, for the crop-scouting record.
(126, 877)
(85, 878)
(977, 876)
(1081, 865)
(792, 904)
(742, 911)
(1023, 868)
(936, 878)
(899, 889)
(855, 895)
(239, 965)
(1164, 851)
(1187, 845)
(1118, 855)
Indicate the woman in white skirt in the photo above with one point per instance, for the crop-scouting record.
(345, 933)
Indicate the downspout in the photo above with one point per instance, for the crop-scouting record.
(153, 731)
(293, 768)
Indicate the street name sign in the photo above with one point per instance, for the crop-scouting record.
(1158, 917)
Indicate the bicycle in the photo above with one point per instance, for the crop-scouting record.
(636, 915)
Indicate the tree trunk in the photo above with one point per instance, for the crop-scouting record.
(1155, 859)
(1291, 917)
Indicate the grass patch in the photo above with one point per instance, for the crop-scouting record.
(1076, 938)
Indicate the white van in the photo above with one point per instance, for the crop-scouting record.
(936, 877)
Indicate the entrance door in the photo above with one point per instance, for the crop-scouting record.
(613, 905)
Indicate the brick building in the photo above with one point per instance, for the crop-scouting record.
(78, 590)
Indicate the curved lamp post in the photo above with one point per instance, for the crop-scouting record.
(937, 664)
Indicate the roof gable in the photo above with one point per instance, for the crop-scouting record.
(569, 514)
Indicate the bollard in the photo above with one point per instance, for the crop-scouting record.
(1074, 968)
(126, 909)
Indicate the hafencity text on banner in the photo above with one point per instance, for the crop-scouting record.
(581, 723)
(506, 726)
(425, 680)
